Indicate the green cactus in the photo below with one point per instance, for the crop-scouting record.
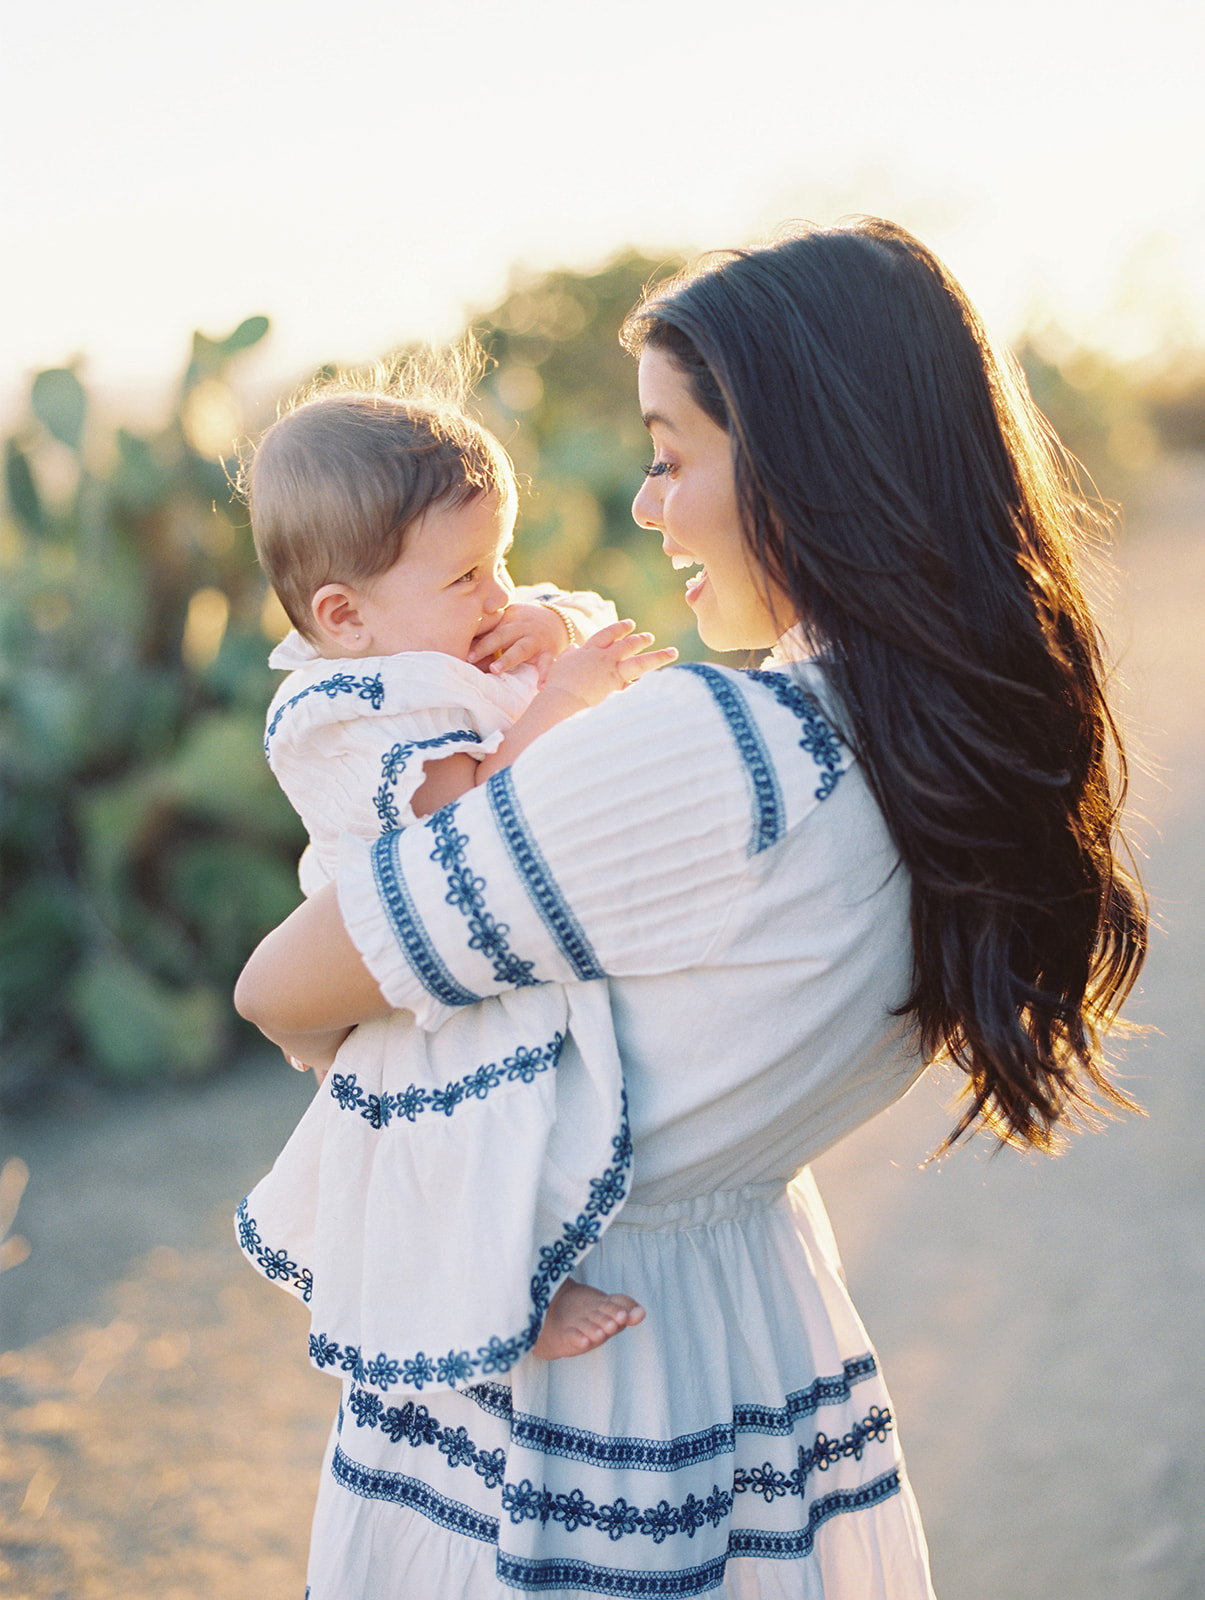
(144, 846)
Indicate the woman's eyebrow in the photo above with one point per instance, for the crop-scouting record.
(649, 417)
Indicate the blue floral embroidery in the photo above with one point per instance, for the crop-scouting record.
(408, 929)
(322, 1352)
(394, 763)
(527, 1063)
(659, 1522)
(560, 1573)
(366, 1408)
(537, 878)
(382, 1373)
(458, 1447)
(370, 689)
(525, 1501)
(823, 1453)
(465, 895)
(274, 1264)
(820, 739)
(799, 1541)
(456, 1369)
(617, 1519)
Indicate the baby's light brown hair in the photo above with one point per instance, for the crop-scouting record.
(351, 465)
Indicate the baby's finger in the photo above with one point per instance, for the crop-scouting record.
(484, 646)
(611, 633)
(632, 645)
(636, 666)
(514, 655)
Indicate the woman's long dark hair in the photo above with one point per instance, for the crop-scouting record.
(897, 482)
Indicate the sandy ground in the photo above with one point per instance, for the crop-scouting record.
(1038, 1321)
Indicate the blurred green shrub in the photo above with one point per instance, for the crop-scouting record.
(144, 846)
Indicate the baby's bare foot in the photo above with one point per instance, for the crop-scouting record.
(581, 1318)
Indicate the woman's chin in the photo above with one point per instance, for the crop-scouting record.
(715, 636)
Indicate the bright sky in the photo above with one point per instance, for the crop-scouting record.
(369, 171)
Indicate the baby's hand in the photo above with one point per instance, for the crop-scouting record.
(523, 632)
(613, 658)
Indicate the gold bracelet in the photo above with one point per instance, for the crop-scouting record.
(571, 627)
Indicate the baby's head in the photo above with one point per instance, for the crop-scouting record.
(351, 484)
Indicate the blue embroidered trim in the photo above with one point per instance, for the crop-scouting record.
(534, 1576)
(394, 763)
(668, 1455)
(560, 1573)
(455, 1368)
(414, 1424)
(829, 1391)
(274, 1264)
(371, 1484)
(538, 880)
(524, 1502)
(824, 1453)
(618, 1518)
(820, 739)
(800, 1541)
(370, 689)
(464, 893)
(769, 818)
(493, 1398)
(408, 929)
(379, 1110)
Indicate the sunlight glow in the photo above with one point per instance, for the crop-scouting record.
(1051, 154)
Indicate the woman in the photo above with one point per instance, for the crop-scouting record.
(802, 885)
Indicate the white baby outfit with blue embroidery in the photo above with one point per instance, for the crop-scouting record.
(374, 1214)
(706, 843)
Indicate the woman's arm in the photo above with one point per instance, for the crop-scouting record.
(305, 986)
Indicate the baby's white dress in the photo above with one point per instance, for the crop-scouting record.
(514, 1107)
(707, 844)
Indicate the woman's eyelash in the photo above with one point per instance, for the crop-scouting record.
(657, 469)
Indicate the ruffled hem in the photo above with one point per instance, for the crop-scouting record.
(740, 1441)
(426, 1219)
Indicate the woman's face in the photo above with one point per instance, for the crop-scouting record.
(689, 497)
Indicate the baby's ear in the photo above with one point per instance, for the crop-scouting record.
(337, 620)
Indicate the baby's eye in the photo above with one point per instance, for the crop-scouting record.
(468, 577)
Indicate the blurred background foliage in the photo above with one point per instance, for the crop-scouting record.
(144, 846)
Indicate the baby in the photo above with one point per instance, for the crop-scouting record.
(383, 523)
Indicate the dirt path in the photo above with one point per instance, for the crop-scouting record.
(1038, 1321)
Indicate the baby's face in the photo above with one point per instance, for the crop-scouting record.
(447, 586)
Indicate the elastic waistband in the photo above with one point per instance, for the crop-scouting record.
(702, 1210)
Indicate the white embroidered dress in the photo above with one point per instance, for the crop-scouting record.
(371, 1213)
(705, 842)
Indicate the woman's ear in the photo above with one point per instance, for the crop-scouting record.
(337, 618)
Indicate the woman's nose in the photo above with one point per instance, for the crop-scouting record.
(646, 507)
